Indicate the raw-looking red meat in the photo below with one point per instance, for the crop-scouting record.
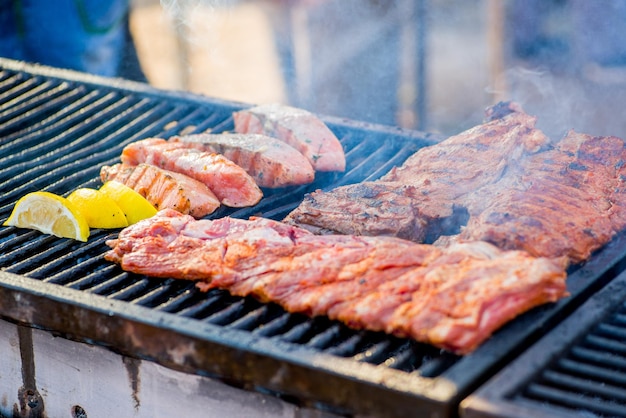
(453, 298)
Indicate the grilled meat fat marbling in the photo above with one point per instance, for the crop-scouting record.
(453, 298)
(503, 182)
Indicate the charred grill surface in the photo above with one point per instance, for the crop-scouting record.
(58, 128)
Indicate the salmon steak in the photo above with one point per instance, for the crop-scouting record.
(454, 298)
(164, 189)
(229, 182)
(271, 163)
(297, 127)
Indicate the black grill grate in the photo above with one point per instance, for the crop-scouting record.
(56, 133)
(579, 369)
(591, 376)
(58, 128)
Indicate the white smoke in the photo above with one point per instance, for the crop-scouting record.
(183, 15)
(225, 49)
(568, 101)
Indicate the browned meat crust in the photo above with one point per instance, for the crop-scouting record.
(519, 190)
(368, 208)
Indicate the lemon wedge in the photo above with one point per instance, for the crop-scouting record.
(51, 214)
(134, 205)
(99, 210)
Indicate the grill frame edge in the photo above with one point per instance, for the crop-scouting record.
(227, 355)
(500, 397)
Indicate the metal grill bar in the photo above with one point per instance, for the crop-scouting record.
(600, 357)
(600, 374)
(593, 389)
(16, 119)
(56, 134)
(606, 343)
(580, 368)
(592, 376)
(582, 404)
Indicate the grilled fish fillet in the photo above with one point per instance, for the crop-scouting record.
(297, 127)
(164, 189)
(271, 162)
(229, 182)
(453, 298)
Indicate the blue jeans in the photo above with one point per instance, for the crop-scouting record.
(83, 35)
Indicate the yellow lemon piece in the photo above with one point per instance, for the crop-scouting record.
(51, 214)
(99, 210)
(134, 205)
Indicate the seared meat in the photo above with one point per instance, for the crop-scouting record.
(453, 298)
(518, 190)
(297, 127)
(451, 172)
(369, 208)
(271, 162)
(440, 178)
(561, 203)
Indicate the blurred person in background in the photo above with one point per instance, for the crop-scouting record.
(85, 35)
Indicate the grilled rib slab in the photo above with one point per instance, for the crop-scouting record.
(519, 190)
(453, 298)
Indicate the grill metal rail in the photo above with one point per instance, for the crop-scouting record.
(57, 128)
(579, 369)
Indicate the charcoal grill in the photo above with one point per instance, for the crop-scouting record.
(57, 128)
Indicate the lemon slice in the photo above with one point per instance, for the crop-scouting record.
(51, 214)
(134, 205)
(99, 210)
